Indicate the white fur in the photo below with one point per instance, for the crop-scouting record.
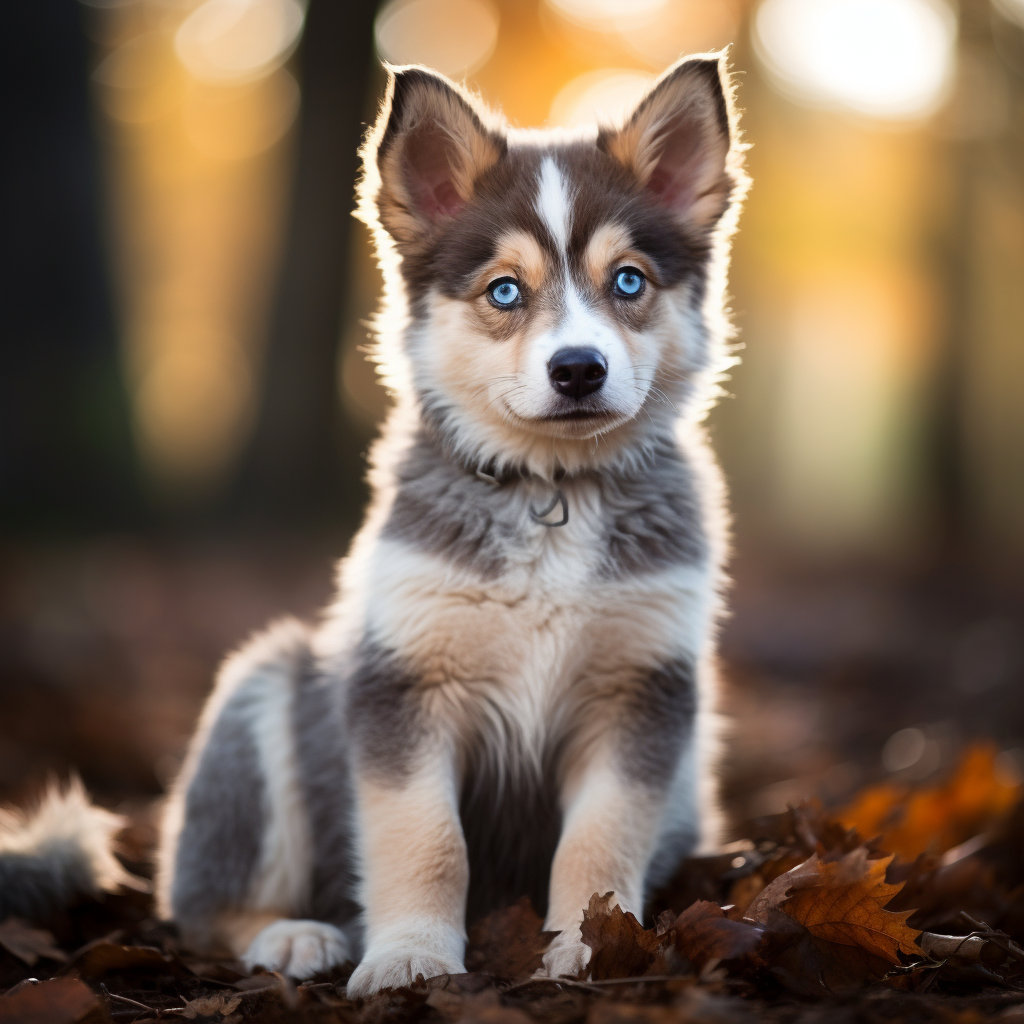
(284, 874)
(298, 949)
(402, 953)
(72, 835)
(553, 203)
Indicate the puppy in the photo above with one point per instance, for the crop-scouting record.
(513, 691)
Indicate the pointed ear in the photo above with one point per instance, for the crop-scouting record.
(420, 161)
(679, 142)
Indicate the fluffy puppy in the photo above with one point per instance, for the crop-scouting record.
(513, 691)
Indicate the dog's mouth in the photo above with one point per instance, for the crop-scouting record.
(577, 414)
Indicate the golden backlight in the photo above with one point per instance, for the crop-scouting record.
(879, 259)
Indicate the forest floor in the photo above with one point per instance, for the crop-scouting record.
(873, 778)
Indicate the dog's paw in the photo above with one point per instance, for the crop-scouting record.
(299, 949)
(395, 960)
(564, 959)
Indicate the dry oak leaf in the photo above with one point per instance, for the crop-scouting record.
(844, 902)
(703, 933)
(622, 947)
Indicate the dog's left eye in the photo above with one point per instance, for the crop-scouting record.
(503, 293)
(629, 282)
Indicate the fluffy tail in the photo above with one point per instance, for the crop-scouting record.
(61, 850)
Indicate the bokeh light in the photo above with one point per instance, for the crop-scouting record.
(604, 97)
(452, 36)
(235, 40)
(885, 58)
(599, 11)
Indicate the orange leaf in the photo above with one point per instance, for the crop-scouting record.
(939, 817)
(844, 902)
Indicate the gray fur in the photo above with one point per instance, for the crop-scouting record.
(36, 885)
(218, 849)
(323, 770)
(659, 721)
(654, 517)
(444, 508)
(382, 711)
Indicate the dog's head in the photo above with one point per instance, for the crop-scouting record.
(556, 289)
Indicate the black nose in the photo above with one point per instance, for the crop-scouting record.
(577, 371)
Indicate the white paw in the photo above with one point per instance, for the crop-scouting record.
(396, 959)
(299, 949)
(565, 958)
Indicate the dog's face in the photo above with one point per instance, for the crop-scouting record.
(554, 286)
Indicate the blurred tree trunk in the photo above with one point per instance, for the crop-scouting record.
(66, 458)
(299, 468)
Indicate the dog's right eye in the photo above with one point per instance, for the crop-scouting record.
(503, 293)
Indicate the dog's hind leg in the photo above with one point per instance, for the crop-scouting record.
(243, 861)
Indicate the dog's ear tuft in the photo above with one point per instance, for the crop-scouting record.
(423, 156)
(679, 142)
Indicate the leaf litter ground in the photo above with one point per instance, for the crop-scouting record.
(801, 921)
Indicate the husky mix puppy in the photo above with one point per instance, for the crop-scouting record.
(513, 691)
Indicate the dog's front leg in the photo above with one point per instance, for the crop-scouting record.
(606, 843)
(415, 872)
(616, 806)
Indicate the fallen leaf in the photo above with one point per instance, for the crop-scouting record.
(702, 932)
(60, 1001)
(508, 943)
(27, 943)
(846, 905)
(936, 818)
(622, 947)
(223, 1003)
(811, 966)
(775, 892)
(101, 958)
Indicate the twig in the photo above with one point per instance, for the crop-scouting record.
(125, 999)
(591, 985)
(637, 981)
(975, 948)
(994, 935)
(585, 985)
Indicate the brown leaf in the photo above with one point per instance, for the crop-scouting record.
(28, 943)
(101, 958)
(845, 905)
(703, 933)
(622, 947)
(223, 1003)
(812, 966)
(60, 1001)
(775, 892)
(508, 943)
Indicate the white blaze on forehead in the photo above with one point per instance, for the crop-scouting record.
(553, 202)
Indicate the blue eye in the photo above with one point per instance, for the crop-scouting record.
(629, 282)
(503, 293)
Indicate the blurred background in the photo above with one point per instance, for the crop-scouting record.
(185, 406)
